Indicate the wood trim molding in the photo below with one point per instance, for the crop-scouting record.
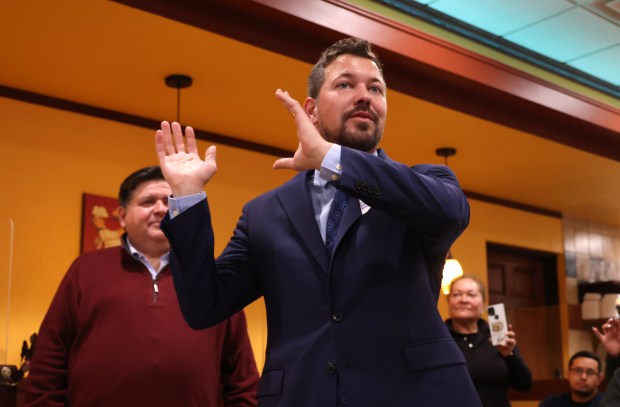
(512, 204)
(506, 47)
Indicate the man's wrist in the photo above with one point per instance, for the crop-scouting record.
(176, 206)
(324, 150)
(185, 190)
(331, 169)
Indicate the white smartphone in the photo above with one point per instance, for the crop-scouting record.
(497, 323)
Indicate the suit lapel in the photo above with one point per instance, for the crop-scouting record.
(296, 202)
(351, 214)
(353, 211)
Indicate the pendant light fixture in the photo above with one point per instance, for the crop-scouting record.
(178, 81)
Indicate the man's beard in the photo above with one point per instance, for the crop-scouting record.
(584, 393)
(358, 138)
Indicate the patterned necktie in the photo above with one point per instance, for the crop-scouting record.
(336, 210)
(341, 398)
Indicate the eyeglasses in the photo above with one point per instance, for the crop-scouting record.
(579, 371)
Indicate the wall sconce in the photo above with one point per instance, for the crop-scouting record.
(451, 270)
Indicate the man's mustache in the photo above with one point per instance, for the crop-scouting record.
(348, 115)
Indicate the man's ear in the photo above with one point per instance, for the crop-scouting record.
(122, 212)
(310, 106)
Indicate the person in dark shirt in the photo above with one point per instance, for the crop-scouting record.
(493, 368)
(584, 377)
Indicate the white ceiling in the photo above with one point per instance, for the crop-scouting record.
(584, 34)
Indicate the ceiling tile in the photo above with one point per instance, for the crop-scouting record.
(579, 33)
(602, 64)
(500, 17)
(569, 35)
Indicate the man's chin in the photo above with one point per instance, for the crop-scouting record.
(158, 235)
(363, 141)
(584, 393)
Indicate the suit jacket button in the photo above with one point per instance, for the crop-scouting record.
(336, 317)
(331, 368)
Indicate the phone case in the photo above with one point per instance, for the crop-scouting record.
(497, 323)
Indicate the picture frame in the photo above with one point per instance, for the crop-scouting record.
(101, 226)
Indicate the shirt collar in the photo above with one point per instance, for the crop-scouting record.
(135, 253)
(317, 180)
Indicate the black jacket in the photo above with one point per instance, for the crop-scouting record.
(492, 373)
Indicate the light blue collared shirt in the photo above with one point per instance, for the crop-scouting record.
(163, 260)
(322, 190)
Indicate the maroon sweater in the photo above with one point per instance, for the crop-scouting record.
(109, 340)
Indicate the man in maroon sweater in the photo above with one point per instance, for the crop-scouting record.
(114, 334)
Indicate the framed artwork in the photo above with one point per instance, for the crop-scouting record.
(100, 223)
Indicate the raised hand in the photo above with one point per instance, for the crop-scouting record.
(610, 337)
(180, 163)
(312, 147)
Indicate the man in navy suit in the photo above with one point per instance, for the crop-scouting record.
(353, 323)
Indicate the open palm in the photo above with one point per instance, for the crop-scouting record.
(180, 163)
(312, 148)
(610, 336)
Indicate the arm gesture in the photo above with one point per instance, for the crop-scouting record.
(610, 337)
(180, 163)
(312, 148)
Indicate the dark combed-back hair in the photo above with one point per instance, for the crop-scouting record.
(585, 354)
(351, 46)
(136, 178)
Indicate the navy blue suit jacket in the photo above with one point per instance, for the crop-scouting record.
(368, 315)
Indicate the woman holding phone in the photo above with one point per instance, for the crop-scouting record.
(493, 368)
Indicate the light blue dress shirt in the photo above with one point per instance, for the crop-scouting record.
(163, 260)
